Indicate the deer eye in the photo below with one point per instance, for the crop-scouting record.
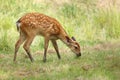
(75, 47)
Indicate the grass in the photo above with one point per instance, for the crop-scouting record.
(92, 65)
(83, 19)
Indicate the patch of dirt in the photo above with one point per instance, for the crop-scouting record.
(2, 56)
(87, 67)
(105, 46)
(106, 4)
(100, 3)
(55, 2)
(22, 73)
(52, 51)
(109, 57)
(26, 73)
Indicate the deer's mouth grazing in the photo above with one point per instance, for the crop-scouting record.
(78, 55)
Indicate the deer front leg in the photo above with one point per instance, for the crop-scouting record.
(46, 43)
(56, 48)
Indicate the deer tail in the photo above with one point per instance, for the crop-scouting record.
(18, 24)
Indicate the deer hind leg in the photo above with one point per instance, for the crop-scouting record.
(17, 45)
(46, 43)
(26, 46)
(56, 48)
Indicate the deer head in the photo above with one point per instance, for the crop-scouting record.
(73, 45)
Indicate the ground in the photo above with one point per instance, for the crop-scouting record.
(98, 62)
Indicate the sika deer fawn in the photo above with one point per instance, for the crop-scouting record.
(33, 24)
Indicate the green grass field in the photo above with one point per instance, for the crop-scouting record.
(94, 64)
(96, 28)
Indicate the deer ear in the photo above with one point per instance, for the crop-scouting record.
(73, 38)
(67, 38)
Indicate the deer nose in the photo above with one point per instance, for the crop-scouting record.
(78, 55)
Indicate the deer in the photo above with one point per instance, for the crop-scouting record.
(32, 24)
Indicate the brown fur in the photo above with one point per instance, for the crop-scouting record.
(33, 24)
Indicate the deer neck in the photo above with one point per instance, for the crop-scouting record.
(62, 37)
